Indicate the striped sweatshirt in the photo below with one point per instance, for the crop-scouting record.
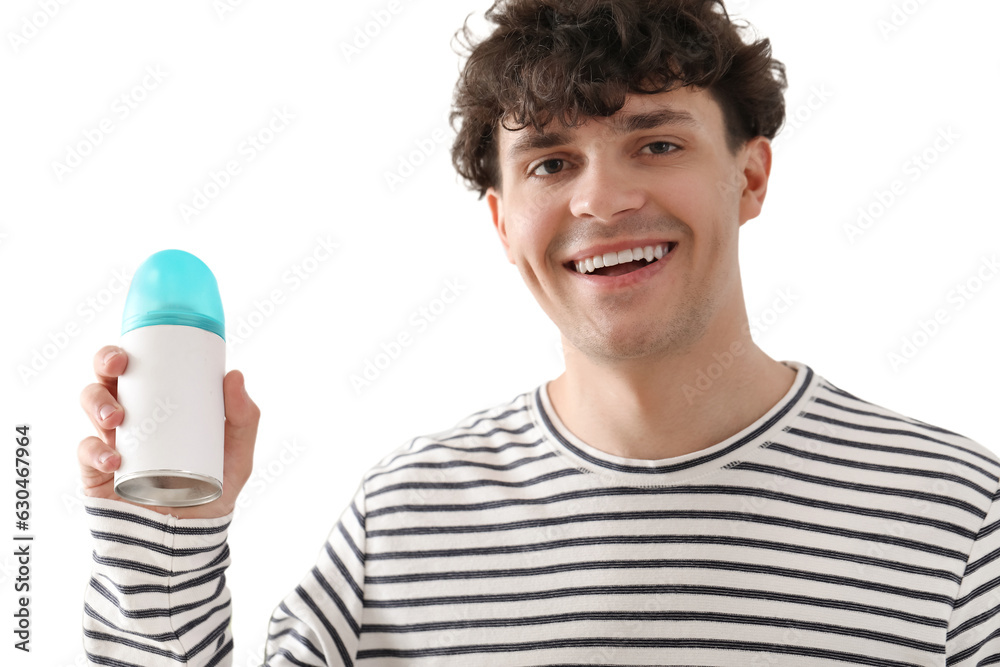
(831, 531)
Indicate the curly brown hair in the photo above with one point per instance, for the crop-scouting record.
(569, 59)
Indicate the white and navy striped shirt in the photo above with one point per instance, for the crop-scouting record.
(830, 532)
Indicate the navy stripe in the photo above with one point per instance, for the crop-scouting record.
(550, 545)
(890, 469)
(634, 643)
(163, 636)
(152, 546)
(291, 632)
(693, 515)
(660, 616)
(436, 444)
(287, 655)
(882, 415)
(869, 488)
(665, 491)
(445, 465)
(161, 526)
(896, 450)
(646, 589)
(583, 566)
(205, 578)
(139, 566)
(478, 483)
(157, 612)
(331, 631)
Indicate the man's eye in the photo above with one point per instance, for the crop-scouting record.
(660, 147)
(550, 167)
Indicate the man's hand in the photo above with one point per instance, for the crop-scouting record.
(99, 460)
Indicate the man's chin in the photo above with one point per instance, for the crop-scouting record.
(627, 344)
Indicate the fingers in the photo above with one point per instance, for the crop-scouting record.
(98, 399)
(110, 362)
(98, 462)
(242, 418)
(104, 412)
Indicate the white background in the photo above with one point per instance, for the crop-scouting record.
(66, 237)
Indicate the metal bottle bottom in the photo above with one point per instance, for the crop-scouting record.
(168, 488)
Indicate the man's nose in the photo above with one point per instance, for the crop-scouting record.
(604, 189)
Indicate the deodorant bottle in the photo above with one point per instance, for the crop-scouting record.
(173, 330)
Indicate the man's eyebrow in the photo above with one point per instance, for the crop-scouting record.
(621, 124)
(529, 140)
(651, 120)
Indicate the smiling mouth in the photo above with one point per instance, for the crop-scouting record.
(617, 264)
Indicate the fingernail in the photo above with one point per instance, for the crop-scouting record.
(104, 457)
(109, 356)
(106, 411)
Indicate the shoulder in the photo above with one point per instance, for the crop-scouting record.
(490, 437)
(833, 414)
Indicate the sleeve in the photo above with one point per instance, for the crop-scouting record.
(974, 627)
(157, 593)
(319, 623)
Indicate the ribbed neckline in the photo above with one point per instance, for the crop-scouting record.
(682, 468)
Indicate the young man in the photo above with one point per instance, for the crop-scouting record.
(613, 515)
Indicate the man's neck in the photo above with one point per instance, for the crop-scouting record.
(674, 405)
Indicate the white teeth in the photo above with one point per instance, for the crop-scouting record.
(649, 253)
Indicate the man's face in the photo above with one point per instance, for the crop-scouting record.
(664, 178)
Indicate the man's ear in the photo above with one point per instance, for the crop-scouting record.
(495, 200)
(756, 171)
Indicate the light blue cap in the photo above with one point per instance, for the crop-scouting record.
(174, 287)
